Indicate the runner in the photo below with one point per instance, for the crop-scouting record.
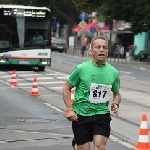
(90, 114)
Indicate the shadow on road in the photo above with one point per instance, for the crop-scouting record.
(17, 68)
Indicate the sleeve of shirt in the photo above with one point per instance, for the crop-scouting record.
(116, 84)
(74, 78)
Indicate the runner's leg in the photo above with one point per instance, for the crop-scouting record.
(99, 142)
(85, 146)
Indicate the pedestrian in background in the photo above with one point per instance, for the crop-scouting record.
(84, 45)
(89, 113)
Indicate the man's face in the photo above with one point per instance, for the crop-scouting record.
(99, 50)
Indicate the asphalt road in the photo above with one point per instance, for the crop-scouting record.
(28, 122)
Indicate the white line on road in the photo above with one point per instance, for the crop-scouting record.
(22, 84)
(59, 73)
(51, 95)
(5, 76)
(26, 75)
(121, 142)
(38, 78)
(128, 77)
(2, 72)
(52, 106)
(55, 87)
(51, 74)
(41, 78)
(141, 68)
(125, 72)
(62, 77)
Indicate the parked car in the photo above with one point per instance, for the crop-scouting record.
(142, 56)
(58, 44)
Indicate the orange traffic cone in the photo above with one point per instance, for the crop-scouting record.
(13, 79)
(143, 143)
(34, 88)
(72, 95)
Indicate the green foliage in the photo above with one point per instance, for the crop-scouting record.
(135, 11)
(87, 6)
(67, 11)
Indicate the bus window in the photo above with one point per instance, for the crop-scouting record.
(4, 35)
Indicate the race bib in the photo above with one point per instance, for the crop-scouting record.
(99, 93)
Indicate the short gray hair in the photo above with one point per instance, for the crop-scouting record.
(98, 37)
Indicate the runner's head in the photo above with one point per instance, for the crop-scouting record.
(99, 49)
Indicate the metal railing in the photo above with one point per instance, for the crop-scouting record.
(76, 51)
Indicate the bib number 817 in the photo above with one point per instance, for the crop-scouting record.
(98, 94)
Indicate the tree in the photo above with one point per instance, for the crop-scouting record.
(5, 1)
(65, 12)
(87, 6)
(135, 11)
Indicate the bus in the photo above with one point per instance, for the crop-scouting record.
(25, 36)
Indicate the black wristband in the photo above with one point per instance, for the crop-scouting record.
(117, 104)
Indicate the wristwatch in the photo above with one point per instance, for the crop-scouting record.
(117, 104)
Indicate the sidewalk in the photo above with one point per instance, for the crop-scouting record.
(112, 60)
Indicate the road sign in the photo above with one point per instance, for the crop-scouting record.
(71, 41)
(101, 24)
(101, 18)
(93, 30)
(83, 16)
(82, 24)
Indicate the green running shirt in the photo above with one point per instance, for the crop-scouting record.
(82, 77)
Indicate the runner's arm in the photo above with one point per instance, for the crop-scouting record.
(116, 98)
(67, 95)
(116, 102)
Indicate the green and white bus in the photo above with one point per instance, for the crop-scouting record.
(25, 36)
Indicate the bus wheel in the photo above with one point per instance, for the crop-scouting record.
(41, 68)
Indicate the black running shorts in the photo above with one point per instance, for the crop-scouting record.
(87, 126)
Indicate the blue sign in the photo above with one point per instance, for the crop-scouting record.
(83, 16)
(93, 30)
(57, 25)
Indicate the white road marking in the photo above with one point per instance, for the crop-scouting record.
(59, 73)
(22, 84)
(125, 72)
(55, 87)
(26, 87)
(21, 72)
(2, 72)
(5, 76)
(52, 106)
(121, 142)
(4, 82)
(141, 68)
(51, 95)
(62, 77)
(38, 78)
(26, 75)
(128, 77)
(51, 74)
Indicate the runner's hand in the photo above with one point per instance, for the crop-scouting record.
(71, 115)
(115, 109)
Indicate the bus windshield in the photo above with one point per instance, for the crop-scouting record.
(20, 28)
